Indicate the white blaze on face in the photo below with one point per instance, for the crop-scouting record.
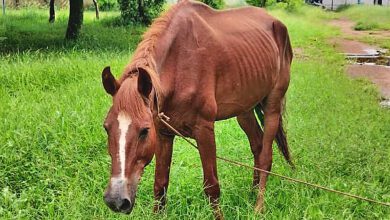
(124, 122)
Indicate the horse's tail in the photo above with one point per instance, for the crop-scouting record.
(280, 137)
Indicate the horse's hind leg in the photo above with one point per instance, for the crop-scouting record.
(272, 110)
(249, 125)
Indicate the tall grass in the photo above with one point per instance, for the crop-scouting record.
(54, 162)
(369, 17)
(26, 29)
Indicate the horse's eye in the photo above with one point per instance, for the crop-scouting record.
(144, 132)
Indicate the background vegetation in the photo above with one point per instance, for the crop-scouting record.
(217, 4)
(140, 12)
(288, 5)
(369, 17)
(107, 5)
(54, 161)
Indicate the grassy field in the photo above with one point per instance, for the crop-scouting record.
(54, 162)
(369, 17)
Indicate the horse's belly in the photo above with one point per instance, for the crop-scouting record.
(247, 74)
(235, 97)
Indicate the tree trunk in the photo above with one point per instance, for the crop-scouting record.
(141, 12)
(75, 19)
(52, 13)
(263, 2)
(3, 7)
(96, 8)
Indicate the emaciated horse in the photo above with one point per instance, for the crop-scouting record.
(197, 65)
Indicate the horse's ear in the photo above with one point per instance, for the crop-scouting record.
(109, 82)
(144, 83)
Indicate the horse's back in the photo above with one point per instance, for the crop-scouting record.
(232, 56)
(247, 55)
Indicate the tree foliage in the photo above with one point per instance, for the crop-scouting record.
(140, 11)
(217, 4)
(289, 5)
(106, 5)
(258, 3)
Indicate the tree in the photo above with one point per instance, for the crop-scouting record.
(140, 11)
(75, 19)
(52, 13)
(95, 3)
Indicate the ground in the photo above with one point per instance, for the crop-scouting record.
(54, 162)
(347, 27)
(350, 42)
(377, 74)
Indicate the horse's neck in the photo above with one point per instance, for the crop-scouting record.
(162, 48)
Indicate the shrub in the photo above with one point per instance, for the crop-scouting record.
(140, 11)
(364, 26)
(107, 5)
(258, 3)
(217, 4)
(293, 5)
(289, 5)
(369, 17)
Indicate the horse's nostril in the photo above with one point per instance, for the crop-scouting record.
(125, 206)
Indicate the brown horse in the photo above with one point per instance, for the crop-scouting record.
(197, 65)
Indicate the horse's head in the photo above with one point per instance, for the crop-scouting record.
(131, 136)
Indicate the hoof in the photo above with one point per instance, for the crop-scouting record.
(218, 215)
(158, 207)
(217, 212)
(259, 208)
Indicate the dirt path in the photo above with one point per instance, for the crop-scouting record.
(347, 28)
(353, 46)
(348, 43)
(379, 75)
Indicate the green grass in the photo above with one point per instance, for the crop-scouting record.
(54, 161)
(369, 17)
(382, 42)
(375, 18)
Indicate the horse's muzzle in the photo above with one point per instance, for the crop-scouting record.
(124, 205)
(118, 198)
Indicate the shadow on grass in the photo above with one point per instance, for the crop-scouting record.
(29, 30)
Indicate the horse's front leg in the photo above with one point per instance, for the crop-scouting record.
(206, 143)
(163, 164)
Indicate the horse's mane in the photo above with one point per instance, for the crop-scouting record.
(144, 56)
